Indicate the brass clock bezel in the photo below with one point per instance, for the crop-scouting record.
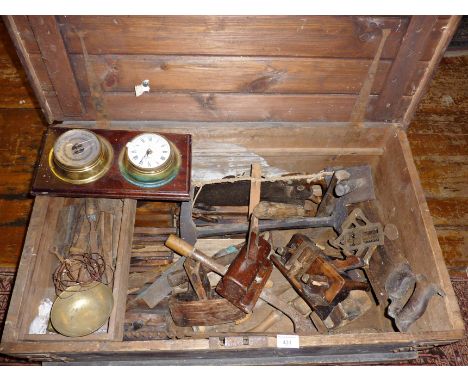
(154, 177)
(85, 174)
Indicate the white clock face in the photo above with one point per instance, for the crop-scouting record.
(148, 151)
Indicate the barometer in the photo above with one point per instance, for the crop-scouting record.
(79, 156)
(149, 160)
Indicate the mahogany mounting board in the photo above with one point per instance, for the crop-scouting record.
(113, 184)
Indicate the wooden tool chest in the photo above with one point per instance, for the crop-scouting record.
(297, 93)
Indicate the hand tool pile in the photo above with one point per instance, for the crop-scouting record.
(299, 254)
(84, 250)
(83, 278)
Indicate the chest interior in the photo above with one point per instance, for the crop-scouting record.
(295, 94)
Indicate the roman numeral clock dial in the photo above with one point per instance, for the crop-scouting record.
(150, 160)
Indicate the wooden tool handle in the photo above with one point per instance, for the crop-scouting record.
(255, 186)
(178, 245)
(270, 210)
(185, 249)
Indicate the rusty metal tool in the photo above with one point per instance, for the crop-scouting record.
(417, 304)
(162, 287)
(406, 293)
(358, 233)
(302, 325)
(286, 190)
(359, 237)
(315, 277)
(401, 283)
(346, 186)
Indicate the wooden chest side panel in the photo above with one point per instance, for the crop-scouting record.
(403, 67)
(40, 284)
(308, 36)
(54, 54)
(234, 68)
(233, 74)
(28, 52)
(25, 269)
(405, 206)
(229, 107)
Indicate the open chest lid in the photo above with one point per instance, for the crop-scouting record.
(231, 68)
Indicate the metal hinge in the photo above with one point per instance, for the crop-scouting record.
(414, 348)
(43, 357)
(237, 342)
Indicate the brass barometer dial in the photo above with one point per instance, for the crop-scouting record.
(150, 160)
(80, 156)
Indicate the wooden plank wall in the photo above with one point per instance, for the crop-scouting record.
(21, 130)
(15, 92)
(438, 137)
(211, 68)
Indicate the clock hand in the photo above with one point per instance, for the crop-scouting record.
(148, 152)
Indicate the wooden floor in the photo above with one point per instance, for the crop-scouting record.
(438, 137)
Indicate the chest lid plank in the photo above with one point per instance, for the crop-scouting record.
(228, 68)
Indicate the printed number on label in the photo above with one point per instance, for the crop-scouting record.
(287, 341)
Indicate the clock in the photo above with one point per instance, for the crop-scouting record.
(149, 160)
(79, 156)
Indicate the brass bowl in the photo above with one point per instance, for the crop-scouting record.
(79, 311)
